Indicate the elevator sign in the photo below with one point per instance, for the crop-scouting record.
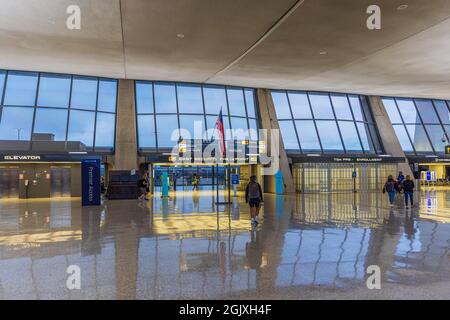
(447, 149)
(21, 158)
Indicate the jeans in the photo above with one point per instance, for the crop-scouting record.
(410, 195)
(391, 197)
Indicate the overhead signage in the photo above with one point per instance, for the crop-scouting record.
(45, 157)
(441, 159)
(343, 159)
(21, 158)
(357, 159)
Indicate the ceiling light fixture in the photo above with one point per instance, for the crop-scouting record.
(323, 53)
(402, 7)
(180, 35)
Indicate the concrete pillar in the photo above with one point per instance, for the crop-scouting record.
(388, 137)
(269, 121)
(126, 157)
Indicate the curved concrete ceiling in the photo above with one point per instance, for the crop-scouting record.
(256, 43)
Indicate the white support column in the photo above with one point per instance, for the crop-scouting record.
(126, 157)
(269, 121)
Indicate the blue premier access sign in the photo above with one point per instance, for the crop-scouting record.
(90, 182)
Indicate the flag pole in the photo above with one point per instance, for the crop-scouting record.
(217, 162)
(217, 168)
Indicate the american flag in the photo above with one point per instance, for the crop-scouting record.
(220, 128)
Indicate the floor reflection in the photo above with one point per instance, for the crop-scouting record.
(186, 247)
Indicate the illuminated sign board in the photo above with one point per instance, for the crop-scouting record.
(447, 149)
(21, 158)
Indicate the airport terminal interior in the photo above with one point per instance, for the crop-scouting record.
(130, 131)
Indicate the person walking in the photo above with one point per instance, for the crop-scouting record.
(195, 182)
(400, 177)
(408, 189)
(390, 186)
(254, 197)
(143, 184)
(400, 180)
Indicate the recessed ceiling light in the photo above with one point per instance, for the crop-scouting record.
(323, 52)
(402, 7)
(180, 35)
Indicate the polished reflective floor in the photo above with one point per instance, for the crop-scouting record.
(316, 246)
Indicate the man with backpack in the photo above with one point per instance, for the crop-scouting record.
(254, 197)
(408, 188)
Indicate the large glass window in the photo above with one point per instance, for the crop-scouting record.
(2, 83)
(329, 135)
(426, 111)
(300, 105)
(250, 102)
(289, 136)
(46, 103)
(21, 88)
(107, 95)
(144, 97)
(146, 131)
(104, 131)
(309, 141)
(212, 132)
(419, 138)
(84, 93)
(190, 99)
(181, 106)
(192, 127)
(81, 127)
(355, 103)
(253, 129)
(281, 104)
(167, 133)
(321, 106)
(425, 121)
(341, 107)
(350, 136)
(215, 100)
(364, 135)
(51, 121)
(338, 122)
(403, 138)
(442, 110)
(240, 128)
(408, 110)
(15, 123)
(436, 133)
(54, 91)
(392, 111)
(236, 102)
(165, 98)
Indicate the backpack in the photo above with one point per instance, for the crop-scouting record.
(390, 186)
(253, 190)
